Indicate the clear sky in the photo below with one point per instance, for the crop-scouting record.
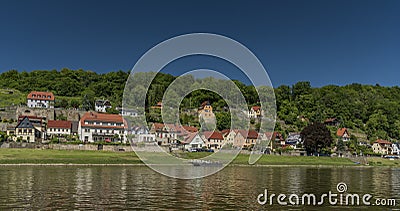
(324, 42)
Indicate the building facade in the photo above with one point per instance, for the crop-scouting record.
(99, 127)
(40, 100)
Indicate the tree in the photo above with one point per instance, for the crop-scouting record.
(223, 120)
(316, 137)
(340, 145)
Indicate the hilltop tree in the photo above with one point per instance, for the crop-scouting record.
(316, 137)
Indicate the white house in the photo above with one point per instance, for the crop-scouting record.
(343, 134)
(142, 134)
(98, 127)
(193, 141)
(396, 148)
(382, 147)
(255, 111)
(102, 105)
(58, 128)
(40, 100)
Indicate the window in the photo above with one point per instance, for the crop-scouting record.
(86, 130)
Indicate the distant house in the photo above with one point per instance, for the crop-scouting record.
(26, 131)
(167, 134)
(276, 138)
(102, 105)
(213, 139)
(382, 147)
(343, 134)
(396, 149)
(332, 122)
(38, 122)
(142, 134)
(245, 139)
(206, 111)
(58, 128)
(255, 112)
(128, 112)
(40, 100)
(193, 141)
(98, 127)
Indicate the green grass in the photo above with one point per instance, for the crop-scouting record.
(48, 156)
(377, 161)
(7, 99)
(35, 156)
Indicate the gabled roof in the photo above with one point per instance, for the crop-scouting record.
(59, 124)
(25, 123)
(256, 108)
(190, 129)
(34, 95)
(225, 132)
(213, 135)
(341, 131)
(252, 134)
(274, 135)
(380, 141)
(189, 138)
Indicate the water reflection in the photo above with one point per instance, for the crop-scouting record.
(234, 188)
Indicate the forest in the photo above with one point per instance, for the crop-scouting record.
(372, 109)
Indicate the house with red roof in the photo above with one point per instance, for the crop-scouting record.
(255, 112)
(213, 139)
(343, 134)
(40, 100)
(382, 147)
(167, 134)
(58, 128)
(99, 127)
(245, 138)
(205, 111)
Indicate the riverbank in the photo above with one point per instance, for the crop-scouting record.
(78, 157)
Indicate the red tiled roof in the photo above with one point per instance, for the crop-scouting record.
(190, 129)
(41, 96)
(256, 108)
(59, 124)
(158, 126)
(340, 132)
(380, 141)
(225, 131)
(100, 117)
(213, 135)
(273, 135)
(252, 134)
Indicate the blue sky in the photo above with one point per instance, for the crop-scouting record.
(324, 42)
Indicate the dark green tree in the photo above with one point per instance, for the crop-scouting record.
(316, 137)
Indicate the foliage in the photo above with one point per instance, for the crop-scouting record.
(316, 137)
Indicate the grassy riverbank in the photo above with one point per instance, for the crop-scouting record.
(34, 156)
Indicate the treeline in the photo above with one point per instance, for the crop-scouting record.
(372, 109)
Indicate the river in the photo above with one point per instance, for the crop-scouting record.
(233, 188)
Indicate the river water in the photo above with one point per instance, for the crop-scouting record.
(233, 188)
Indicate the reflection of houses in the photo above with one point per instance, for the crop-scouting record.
(332, 122)
(213, 139)
(343, 134)
(206, 111)
(255, 112)
(26, 131)
(382, 147)
(142, 134)
(95, 127)
(40, 100)
(58, 128)
(102, 105)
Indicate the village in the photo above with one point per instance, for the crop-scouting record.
(37, 122)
